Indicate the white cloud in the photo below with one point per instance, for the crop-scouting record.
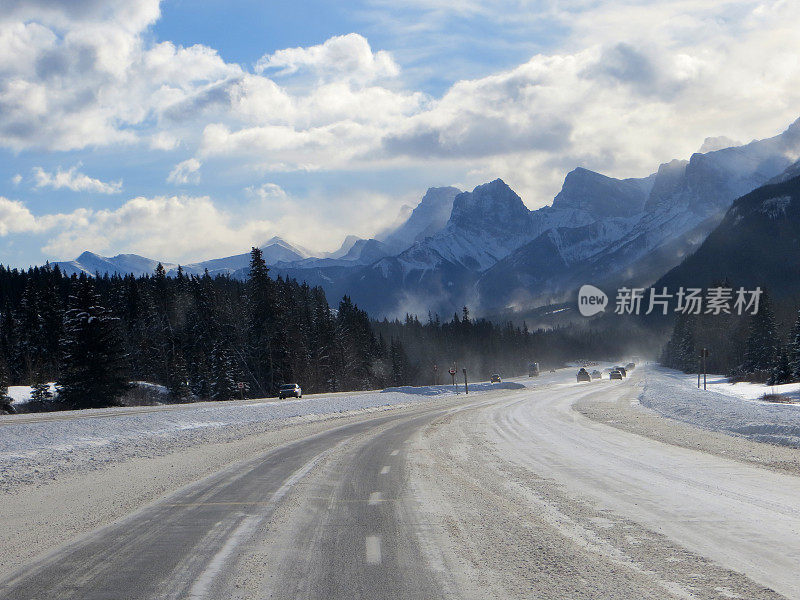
(347, 57)
(15, 217)
(185, 172)
(74, 180)
(16, 179)
(625, 84)
(164, 140)
(148, 226)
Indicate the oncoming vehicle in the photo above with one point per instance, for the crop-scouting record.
(533, 369)
(583, 375)
(596, 374)
(622, 370)
(495, 378)
(615, 375)
(290, 390)
(629, 366)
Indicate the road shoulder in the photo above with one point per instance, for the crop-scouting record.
(627, 414)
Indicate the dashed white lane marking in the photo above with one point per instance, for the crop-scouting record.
(395, 452)
(385, 470)
(374, 498)
(374, 549)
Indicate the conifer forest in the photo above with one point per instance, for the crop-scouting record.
(201, 337)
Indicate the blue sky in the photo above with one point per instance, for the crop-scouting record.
(188, 130)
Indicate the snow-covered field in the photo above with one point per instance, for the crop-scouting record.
(729, 408)
(36, 447)
(744, 389)
(21, 394)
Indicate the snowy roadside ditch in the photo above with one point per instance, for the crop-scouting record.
(33, 451)
(724, 407)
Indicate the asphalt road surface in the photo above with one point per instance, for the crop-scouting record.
(507, 495)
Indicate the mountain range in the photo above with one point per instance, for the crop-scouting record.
(484, 248)
(756, 244)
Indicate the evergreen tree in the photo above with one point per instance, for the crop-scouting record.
(94, 365)
(262, 350)
(179, 378)
(223, 381)
(781, 372)
(761, 350)
(40, 392)
(399, 363)
(5, 400)
(793, 349)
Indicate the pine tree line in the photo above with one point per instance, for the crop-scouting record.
(201, 336)
(746, 348)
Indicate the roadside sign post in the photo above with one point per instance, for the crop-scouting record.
(435, 374)
(704, 354)
(453, 375)
(240, 385)
(466, 385)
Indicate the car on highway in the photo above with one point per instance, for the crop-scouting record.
(629, 366)
(622, 370)
(615, 375)
(290, 390)
(495, 378)
(583, 375)
(596, 374)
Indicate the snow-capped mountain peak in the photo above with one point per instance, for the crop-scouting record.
(429, 217)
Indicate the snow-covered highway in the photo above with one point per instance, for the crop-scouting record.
(504, 494)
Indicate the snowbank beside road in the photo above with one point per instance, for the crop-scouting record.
(744, 389)
(44, 446)
(449, 390)
(675, 395)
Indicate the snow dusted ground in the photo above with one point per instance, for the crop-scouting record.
(21, 394)
(744, 389)
(43, 446)
(728, 408)
(448, 390)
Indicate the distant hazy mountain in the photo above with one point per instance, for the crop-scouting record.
(485, 248)
(756, 244)
(428, 218)
(685, 200)
(275, 250)
(90, 263)
(346, 246)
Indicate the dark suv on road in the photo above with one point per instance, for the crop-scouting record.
(583, 375)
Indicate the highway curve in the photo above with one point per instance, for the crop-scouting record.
(509, 494)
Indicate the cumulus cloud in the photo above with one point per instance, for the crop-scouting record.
(622, 86)
(207, 230)
(340, 57)
(80, 74)
(74, 180)
(148, 225)
(15, 217)
(185, 172)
